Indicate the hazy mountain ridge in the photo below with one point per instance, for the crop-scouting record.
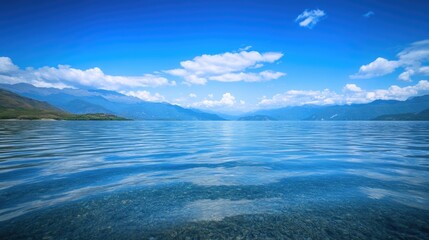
(288, 113)
(366, 111)
(421, 116)
(372, 110)
(257, 118)
(79, 101)
(86, 101)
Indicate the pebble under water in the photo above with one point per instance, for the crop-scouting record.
(214, 180)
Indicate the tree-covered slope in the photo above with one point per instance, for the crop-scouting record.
(14, 106)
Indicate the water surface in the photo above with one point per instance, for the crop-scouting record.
(214, 180)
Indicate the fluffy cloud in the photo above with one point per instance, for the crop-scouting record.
(406, 76)
(379, 67)
(65, 76)
(227, 100)
(309, 18)
(410, 60)
(227, 67)
(424, 70)
(145, 95)
(301, 97)
(7, 66)
(351, 94)
(352, 88)
(247, 77)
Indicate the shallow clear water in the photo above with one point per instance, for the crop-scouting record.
(233, 180)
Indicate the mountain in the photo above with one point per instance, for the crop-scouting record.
(224, 116)
(82, 107)
(9, 100)
(257, 118)
(81, 101)
(421, 116)
(366, 111)
(288, 113)
(14, 106)
(372, 110)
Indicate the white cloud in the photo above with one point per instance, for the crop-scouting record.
(301, 97)
(379, 67)
(227, 100)
(397, 93)
(309, 18)
(415, 54)
(424, 70)
(226, 67)
(406, 76)
(247, 77)
(146, 96)
(368, 14)
(6, 65)
(192, 95)
(227, 103)
(66, 76)
(245, 48)
(194, 79)
(410, 59)
(352, 88)
(351, 94)
(43, 84)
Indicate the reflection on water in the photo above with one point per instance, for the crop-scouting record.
(214, 179)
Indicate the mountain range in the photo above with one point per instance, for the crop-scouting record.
(368, 111)
(81, 101)
(14, 106)
(421, 116)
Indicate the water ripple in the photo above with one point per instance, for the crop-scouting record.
(49, 164)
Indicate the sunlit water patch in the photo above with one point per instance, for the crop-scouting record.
(214, 180)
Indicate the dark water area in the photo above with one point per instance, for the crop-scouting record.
(214, 180)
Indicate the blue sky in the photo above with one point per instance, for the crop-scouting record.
(227, 56)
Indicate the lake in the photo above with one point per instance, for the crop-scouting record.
(214, 180)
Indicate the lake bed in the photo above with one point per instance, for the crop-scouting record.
(214, 180)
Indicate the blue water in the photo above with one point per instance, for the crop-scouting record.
(214, 180)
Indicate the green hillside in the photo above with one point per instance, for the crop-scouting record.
(13, 106)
